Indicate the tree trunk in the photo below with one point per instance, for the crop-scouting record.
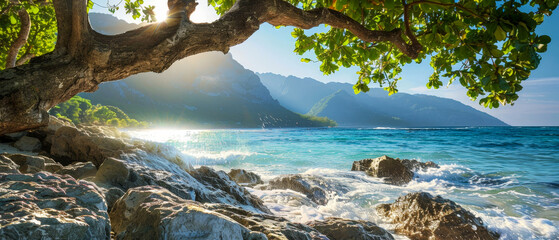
(83, 58)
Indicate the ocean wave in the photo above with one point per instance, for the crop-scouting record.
(197, 157)
(523, 227)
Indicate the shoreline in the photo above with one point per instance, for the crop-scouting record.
(140, 157)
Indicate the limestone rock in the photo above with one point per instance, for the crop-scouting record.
(274, 227)
(86, 144)
(394, 171)
(46, 206)
(26, 143)
(155, 213)
(7, 165)
(112, 195)
(422, 216)
(79, 170)
(31, 164)
(314, 187)
(203, 184)
(13, 136)
(346, 229)
(245, 178)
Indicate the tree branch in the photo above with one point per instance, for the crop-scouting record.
(21, 38)
(283, 13)
(26, 57)
(456, 5)
(83, 58)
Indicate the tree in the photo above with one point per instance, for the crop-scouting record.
(489, 46)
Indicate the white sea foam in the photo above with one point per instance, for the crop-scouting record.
(213, 158)
(366, 192)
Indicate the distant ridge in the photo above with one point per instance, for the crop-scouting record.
(373, 109)
(209, 90)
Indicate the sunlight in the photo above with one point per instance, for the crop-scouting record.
(160, 12)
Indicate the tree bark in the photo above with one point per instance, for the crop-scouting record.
(83, 58)
(21, 38)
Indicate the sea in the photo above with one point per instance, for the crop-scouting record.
(507, 176)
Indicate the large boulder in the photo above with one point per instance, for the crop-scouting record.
(79, 170)
(345, 229)
(245, 178)
(421, 216)
(7, 165)
(314, 187)
(87, 144)
(46, 206)
(33, 164)
(394, 171)
(203, 184)
(155, 213)
(274, 227)
(30, 144)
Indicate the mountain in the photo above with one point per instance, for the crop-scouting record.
(205, 90)
(373, 109)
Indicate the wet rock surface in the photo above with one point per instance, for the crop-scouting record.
(314, 187)
(155, 213)
(203, 184)
(245, 178)
(346, 229)
(46, 206)
(394, 171)
(422, 216)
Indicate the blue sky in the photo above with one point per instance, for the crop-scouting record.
(271, 50)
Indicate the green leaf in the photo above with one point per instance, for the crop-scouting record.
(500, 34)
(13, 20)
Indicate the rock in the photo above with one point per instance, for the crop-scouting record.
(203, 184)
(219, 187)
(314, 187)
(13, 136)
(415, 165)
(46, 206)
(155, 213)
(30, 164)
(346, 229)
(245, 178)
(275, 228)
(422, 216)
(88, 144)
(79, 170)
(394, 171)
(112, 195)
(7, 165)
(53, 167)
(26, 143)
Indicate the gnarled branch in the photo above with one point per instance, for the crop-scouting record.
(83, 58)
(21, 38)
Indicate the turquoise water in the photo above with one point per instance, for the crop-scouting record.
(508, 176)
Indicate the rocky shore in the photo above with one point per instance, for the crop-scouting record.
(85, 182)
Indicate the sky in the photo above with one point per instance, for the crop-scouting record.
(271, 50)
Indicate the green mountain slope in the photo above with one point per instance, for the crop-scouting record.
(373, 109)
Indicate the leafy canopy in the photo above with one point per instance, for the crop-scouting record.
(490, 47)
(79, 110)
